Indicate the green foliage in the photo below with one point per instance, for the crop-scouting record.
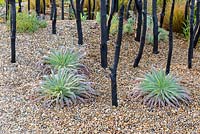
(83, 18)
(28, 23)
(2, 3)
(114, 24)
(64, 59)
(128, 27)
(98, 18)
(65, 88)
(159, 89)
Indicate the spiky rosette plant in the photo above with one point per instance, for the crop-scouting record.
(159, 89)
(65, 88)
(68, 58)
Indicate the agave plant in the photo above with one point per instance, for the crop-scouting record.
(159, 89)
(65, 88)
(64, 59)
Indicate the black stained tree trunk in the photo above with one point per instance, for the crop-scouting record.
(128, 8)
(138, 4)
(107, 6)
(54, 16)
(37, 10)
(73, 8)
(116, 5)
(62, 10)
(187, 9)
(44, 8)
(191, 46)
(78, 22)
(142, 41)
(162, 15)
(113, 74)
(13, 29)
(20, 6)
(197, 27)
(93, 9)
(103, 35)
(112, 11)
(89, 9)
(29, 6)
(82, 2)
(170, 38)
(155, 27)
(7, 8)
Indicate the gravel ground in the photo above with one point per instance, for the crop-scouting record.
(19, 113)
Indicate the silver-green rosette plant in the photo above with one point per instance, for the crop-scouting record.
(65, 88)
(159, 89)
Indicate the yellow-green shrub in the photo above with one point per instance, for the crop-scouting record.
(178, 18)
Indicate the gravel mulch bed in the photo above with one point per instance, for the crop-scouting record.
(19, 113)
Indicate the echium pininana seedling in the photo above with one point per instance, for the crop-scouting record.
(159, 89)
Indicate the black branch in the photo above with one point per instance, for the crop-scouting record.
(13, 29)
(170, 38)
(142, 41)
(138, 4)
(20, 6)
(89, 9)
(73, 7)
(103, 35)
(78, 22)
(62, 10)
(197, 27)
(54, 16)
(37, 9)
(162, 15)
(93, 9)
(112, 11)
(113, 74)
(191, 45)
(155, 26)
(44, 9)
(128, 8)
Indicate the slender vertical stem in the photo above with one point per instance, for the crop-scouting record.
(20, 6)
(142, 41)
(28, 6)
(78, 22)
(54, 16)
(62, 10)
(155, 26)
(37, 7)
(93, 9)
(89, 9)
(197, 29)
(162, 15)
(128, 8)
(44, 10)
(138, 4)
(191, 46)
(13, 30)
(103, 35)
(7, 8)
(112, 11)
(113, 74)
(170, 38)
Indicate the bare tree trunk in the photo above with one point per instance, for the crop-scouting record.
(62, 10)
(93, 9)
(142, 41)
(7, 8)
(13, 30)
(89, 9)
(138, 4)
(44, 10)
(78, 22)
(112, 11)
(197, 29)
(20, 6)
(155, 26)
(37, 8)
(128, 8)
(103, 35)
(54, 16)
(170, 38)
(73, 8)
(191, 46)
(113, 74)
(82, 3)
(162, 15)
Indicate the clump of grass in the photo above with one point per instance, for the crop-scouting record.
(28, 23)
(159, 89)
(178, 18)
(65, 88)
